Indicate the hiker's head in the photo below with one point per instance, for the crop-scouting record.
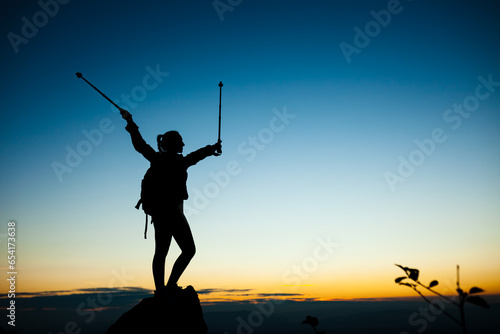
(170, 141)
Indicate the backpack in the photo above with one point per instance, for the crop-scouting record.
(149, 194)
(157, 188)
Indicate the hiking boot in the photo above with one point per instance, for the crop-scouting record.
(161, 293)
(173, 290)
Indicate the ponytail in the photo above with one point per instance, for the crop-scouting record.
(165, 140)
(159, 139)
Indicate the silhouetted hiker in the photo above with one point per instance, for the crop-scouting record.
(166, 208)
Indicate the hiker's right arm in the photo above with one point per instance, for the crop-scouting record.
(139, 143)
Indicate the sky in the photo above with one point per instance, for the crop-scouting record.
(356, 135)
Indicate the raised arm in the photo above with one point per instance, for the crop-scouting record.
(139, 143)
(200, 154)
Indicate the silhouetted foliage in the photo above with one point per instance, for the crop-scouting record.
(412, 275)
(313, 321)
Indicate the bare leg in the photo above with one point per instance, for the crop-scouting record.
(184, 238)
(163, 238)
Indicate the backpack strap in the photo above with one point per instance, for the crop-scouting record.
(138, 205)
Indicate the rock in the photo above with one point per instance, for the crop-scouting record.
(182, 314)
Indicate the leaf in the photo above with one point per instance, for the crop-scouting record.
(408, 284)
(400, 266)
(399, 279)
(413, 274)
(404, 268)
(313, 321)
(476, 300)
(433, 283)
(475, 290)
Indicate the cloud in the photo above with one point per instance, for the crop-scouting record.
(244, 296)
(128, 295)
(116, 291)
(279, 294)
(236, 291)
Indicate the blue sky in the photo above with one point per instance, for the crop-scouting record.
(309, 137)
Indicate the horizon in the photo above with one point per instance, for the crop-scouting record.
(258, 297)
(355, 136)
(95, 311)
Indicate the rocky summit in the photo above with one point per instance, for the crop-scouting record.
(181, 313)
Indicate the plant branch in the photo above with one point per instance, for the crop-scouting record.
(446, 313)
(439, 294)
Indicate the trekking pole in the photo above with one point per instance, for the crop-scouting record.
(220, 97)
(79, 75)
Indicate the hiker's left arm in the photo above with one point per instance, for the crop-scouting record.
(194, 157)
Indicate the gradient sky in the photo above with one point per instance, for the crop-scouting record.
(356, 135)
